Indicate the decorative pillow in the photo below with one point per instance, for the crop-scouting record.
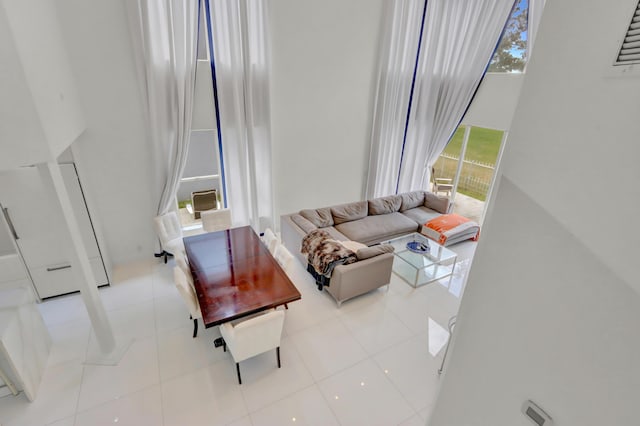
(436, 202)
(411, 200)
(367, 252)
(303, 223)
(349, 212)
(385, 205)
(319, 217)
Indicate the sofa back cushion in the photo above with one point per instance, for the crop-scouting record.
(349, 212)
(368, 252)
(303, 223)
(436, 202)
(384, 205)
(411, 200)
(319, 217)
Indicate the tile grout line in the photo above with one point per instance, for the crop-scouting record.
(155, 336)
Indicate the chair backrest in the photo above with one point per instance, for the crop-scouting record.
(216, 220)
(204, 200)
(270, 240)
(187, 292)
(167, 227)
(253, 336)
(181, 262)
(283, 257)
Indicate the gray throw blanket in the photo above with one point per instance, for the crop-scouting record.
(323, 253)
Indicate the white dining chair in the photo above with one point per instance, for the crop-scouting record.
(169, 232)
(253, 336)
(216, 220)
(283, 257)
(183, 264)
(270, 240)
(188, 293)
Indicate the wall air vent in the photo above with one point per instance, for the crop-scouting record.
(630, 50)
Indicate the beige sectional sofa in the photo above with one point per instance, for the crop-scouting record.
(368, 222)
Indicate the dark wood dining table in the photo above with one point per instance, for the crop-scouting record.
(235, 275)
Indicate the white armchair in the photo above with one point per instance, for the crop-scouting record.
(254, 336)
(216, 220)
(184, 283)
(182, 263)
(169, 231)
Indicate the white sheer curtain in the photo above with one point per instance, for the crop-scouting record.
(164, 34)
(241, 57)
(533, 20)
(458, 39)
(395, 73)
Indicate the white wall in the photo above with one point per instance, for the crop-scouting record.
(114, 155)
(324, 58)
(551, 310)
(40, 114)
(495, 102)
(574, 140)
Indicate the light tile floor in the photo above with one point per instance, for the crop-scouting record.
(373, 361)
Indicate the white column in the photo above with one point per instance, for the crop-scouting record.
(52, 178)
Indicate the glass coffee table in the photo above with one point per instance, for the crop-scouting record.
(419, 260)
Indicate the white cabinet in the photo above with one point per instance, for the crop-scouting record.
(40, 230)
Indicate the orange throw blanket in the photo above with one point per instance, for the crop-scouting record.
(449, 222)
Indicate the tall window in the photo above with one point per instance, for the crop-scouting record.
(511, 55)
(476, 168)
(202, 168)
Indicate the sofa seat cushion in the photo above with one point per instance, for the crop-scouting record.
(421, 215)
(373, 229)
(335, 234)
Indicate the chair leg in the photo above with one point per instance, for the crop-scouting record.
(286, 306)
(238, 370)
(278, 355)
(195, 327)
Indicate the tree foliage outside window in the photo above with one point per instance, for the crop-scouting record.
(512, 50)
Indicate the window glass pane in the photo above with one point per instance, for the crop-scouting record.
(447, 164)
(202, 159)
(201, 171)
(510, 56)
(479, 162)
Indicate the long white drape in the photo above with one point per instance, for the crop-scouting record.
(458, 39)
(395, 73)
(533, 20)
(241, 57)
(164, 34)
